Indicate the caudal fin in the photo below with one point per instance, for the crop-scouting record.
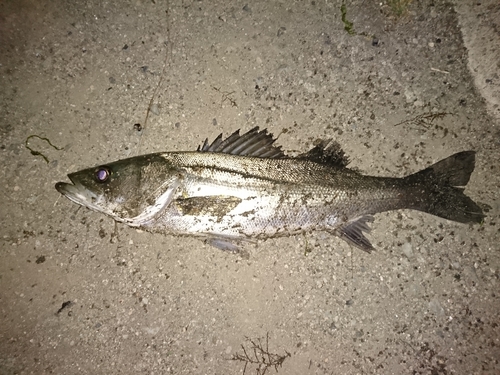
(438, 189)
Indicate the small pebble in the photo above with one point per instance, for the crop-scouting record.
(407, 249)
(435, 307)
(155, 109)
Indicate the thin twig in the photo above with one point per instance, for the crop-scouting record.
(440, 71)
(425, 119)
(166, 63)
(226, 96)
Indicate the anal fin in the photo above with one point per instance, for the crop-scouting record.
(352, 232)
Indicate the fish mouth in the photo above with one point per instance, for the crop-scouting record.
(76, 192)
(79, 194)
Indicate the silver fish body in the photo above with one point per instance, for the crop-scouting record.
(244, 187)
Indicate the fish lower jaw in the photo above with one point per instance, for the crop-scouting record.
(83, 201)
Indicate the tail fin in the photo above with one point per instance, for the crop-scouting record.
(437, 189)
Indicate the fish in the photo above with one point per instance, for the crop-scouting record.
(244, 188)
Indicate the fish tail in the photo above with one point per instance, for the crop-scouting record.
(438, 189)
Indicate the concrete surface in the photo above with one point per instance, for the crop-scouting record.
(82, 295)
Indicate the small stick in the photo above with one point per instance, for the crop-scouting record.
(166, 63)
(440, 71)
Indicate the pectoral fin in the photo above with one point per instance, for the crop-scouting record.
(230, 244)
(224, 244)
(352, 232)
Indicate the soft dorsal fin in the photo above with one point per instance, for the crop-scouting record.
(327, 152)
(253, 143)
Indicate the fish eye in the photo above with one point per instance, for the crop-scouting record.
(102, 174)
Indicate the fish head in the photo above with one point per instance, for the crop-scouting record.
(134, 191)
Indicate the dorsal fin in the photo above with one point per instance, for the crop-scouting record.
(327, 152)
(253, 143)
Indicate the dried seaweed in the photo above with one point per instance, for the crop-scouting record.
(38, 153)
(425, 119)
(226, 96)
(257, 354)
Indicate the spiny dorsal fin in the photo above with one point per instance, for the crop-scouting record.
(327, 152)
(253, 143)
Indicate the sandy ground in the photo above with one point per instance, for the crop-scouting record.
(81, 295)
